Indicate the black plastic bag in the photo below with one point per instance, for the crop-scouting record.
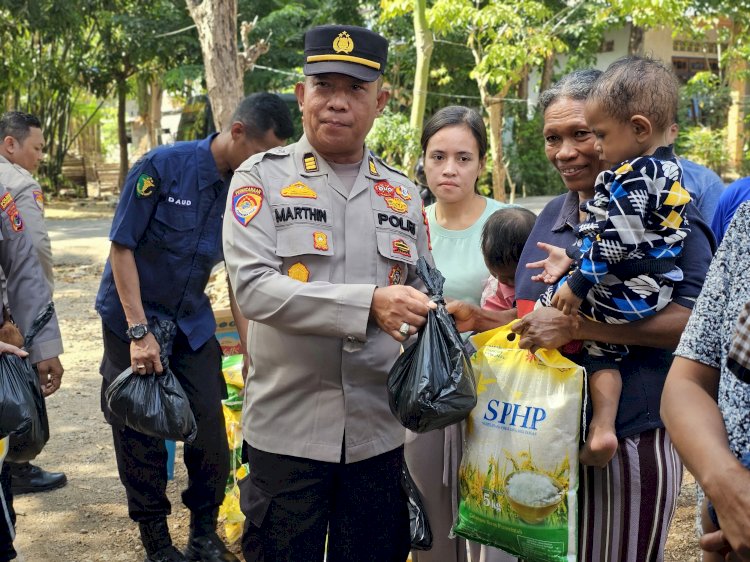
(431, 385)
(155, 405)
(24, 412)
(419, 526)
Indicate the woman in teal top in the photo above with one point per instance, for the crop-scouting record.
(454, 146)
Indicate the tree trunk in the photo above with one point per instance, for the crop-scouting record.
(154, 128)
(122, 134)
(495, 110)
(547, 72)
(635, 44)
(424, 42)
(216, 22)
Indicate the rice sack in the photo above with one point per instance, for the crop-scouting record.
(519, 473)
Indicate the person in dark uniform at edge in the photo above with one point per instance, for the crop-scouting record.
(166, 238)
(28, 293)
(21, 152)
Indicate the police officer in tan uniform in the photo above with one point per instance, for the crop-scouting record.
(321, 239)
(21, 152)
(28, 294)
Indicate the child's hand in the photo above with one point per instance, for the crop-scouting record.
(566, 301)
(554, 266)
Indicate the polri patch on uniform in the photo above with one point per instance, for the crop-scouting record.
(373, 169)
(310, 162)
(246, 202)
(299, 272)
(38, 198)
(144, 187)
(320, 241)
(384, 189)
(401, 248)
(299, 189)
(402, 192)
(396, 204)
(394, 277)
(8, 206)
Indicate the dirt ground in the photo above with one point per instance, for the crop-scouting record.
(87, 521)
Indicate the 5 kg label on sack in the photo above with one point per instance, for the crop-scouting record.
(519, 473)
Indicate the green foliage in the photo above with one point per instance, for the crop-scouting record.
(704, 100)
(527, 162)
(393, 139)
(705, 146)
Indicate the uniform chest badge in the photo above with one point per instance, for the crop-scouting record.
(38, 199)
(402, 192)
(310, 162)
(299, 272)
(246, 202)
(144, 187)
(299, 189)
(320, 241)
(384, 189)
(401, 248)
(394, 277)
(396, 204)
(8, 205)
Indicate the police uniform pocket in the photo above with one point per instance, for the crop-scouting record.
(254, 502)
(300, 240)
(397, 252)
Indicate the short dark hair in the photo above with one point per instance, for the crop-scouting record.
(504, 235)
(638, 85)
(456, 115)
(261, 112)
(18, 125)
(575, 85)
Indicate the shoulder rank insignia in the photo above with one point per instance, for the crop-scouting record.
(373, 169)
(402, 248)
(144, 187)
(394, 277)
(320, 241)
(310, 162)
(8, 205)
(246, 202)
(299, 272)
(396, 204)
(38, 198)
(299, 189)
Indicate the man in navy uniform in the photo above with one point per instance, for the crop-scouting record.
(166, 238)
(321, 239)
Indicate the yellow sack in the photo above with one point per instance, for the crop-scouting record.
(519, 473)
(229, 511)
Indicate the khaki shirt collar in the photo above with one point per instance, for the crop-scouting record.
(304, 150)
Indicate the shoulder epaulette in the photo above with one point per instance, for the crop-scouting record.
(381, 162)
(276, 152)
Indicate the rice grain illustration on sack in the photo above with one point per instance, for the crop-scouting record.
(519, 473)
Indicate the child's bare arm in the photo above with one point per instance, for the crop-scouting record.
(554, 266)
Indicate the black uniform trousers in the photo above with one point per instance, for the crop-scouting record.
(292, 503)
(7, 516)
(142, 460)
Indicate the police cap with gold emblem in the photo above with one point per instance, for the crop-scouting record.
(345, 49)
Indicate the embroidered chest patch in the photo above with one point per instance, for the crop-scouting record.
(394, 277)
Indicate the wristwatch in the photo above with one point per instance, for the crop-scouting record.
(137, 331)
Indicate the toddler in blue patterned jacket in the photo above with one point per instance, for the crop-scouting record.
(624, 264)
